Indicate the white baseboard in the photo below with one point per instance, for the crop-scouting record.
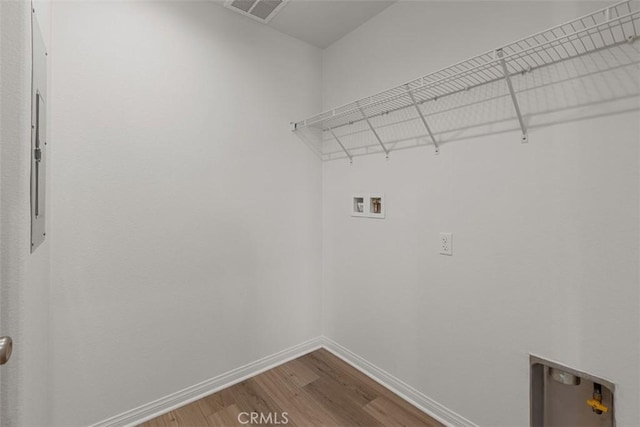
(205, 388)
(402, 389)
(190, 394)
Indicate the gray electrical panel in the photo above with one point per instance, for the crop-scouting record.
(38, 136)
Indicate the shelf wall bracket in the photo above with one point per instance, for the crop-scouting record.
(424, 121)
(341, 145)
(507, 77)
(366, 118)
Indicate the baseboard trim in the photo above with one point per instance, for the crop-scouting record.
(190, 394)
(402, 389)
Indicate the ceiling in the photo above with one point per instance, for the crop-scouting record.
(322, 22)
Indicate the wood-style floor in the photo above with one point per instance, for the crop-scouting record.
(317, 389)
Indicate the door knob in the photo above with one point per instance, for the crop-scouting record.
(6, 347)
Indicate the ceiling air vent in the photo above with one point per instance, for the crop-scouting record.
(260, 10)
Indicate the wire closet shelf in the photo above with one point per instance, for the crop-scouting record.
(376, 123)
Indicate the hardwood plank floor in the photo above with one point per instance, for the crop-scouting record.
(317, 389)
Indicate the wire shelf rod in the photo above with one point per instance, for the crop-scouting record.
(514, 98)
(499, 78)
(635, 63)
(386, 151)
(399, 112)
(424, 121)
(341, 145)
(542, 47)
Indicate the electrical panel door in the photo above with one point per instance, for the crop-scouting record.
(38, 137)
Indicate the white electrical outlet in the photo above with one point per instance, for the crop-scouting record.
(446, 244)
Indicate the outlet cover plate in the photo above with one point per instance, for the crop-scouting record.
(446, 244)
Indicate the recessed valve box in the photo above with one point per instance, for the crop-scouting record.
(368, 205)
(563, 396)
(358, 208)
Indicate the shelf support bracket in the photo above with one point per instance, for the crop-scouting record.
(386, 151)
(507, 77)
(424, 121)
(341, 145)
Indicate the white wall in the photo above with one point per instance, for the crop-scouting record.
(187, 220)
(24, 276)
(545, 234)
